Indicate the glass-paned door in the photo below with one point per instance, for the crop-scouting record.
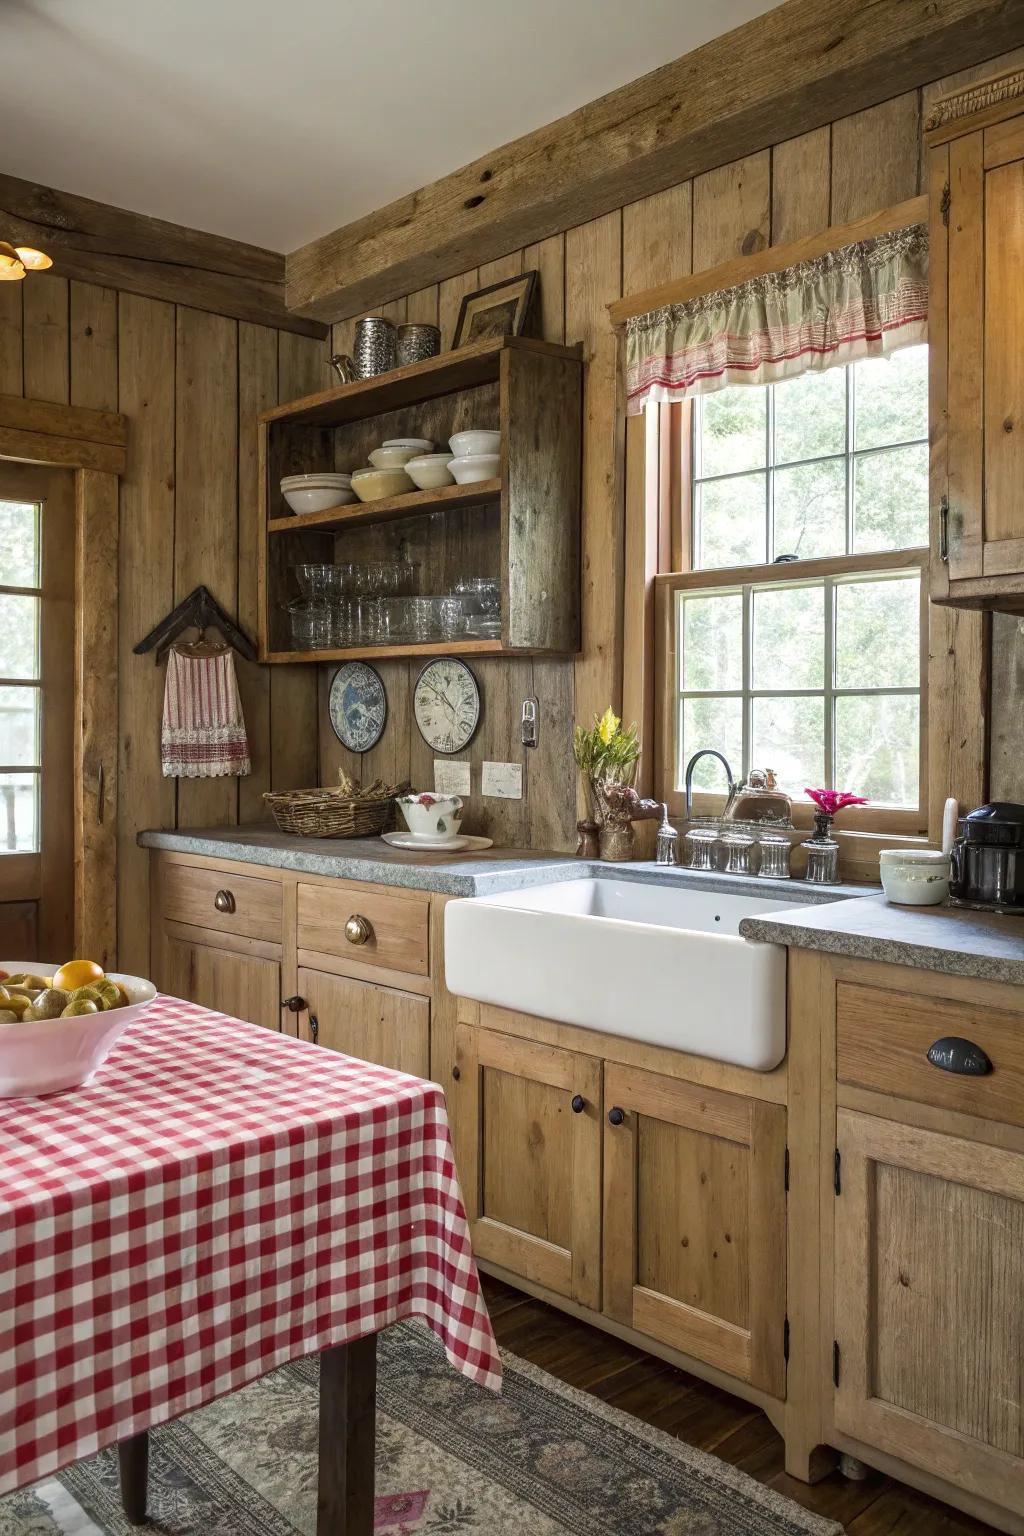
(37, 559)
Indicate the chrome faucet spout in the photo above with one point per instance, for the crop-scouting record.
(691, 765)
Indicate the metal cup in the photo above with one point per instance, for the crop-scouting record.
(416, 342)
(375, 346)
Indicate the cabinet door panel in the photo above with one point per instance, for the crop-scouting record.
(243, 986)
(373, 1023)
(530, 1164)
(928, 1284)
(965, 361)
(1004, 368)
(694, 1199)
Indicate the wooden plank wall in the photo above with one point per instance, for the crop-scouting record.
(834, 174)
(190, 383)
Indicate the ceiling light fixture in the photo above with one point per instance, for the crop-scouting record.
(15, 261)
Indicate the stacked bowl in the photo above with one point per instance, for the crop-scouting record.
(477, 456)
(317, 492)
(387, 474)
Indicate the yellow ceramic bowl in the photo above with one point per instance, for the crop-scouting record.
(376, 484)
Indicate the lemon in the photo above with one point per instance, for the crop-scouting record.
(77, 973)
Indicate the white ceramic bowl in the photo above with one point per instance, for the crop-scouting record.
(474, 442)
(390, 457)
(376, 484)
(420, 444)
(914, 877)
(319, 477)
(431, 817)
(475, 466)
(430, 471)
(40, 1056)
(316, 498)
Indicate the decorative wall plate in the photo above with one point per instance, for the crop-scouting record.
(358, 706)
(446, 704)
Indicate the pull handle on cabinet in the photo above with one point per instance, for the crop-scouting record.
(955, 1054)
(616, 1115)
(314, 1027)
(358, 929)
(294, 1004)
(579, 1104)
(224, 901)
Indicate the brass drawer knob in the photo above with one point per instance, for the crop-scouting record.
(224, 901)
(358, 930)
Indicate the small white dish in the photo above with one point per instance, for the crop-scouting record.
(464, 843)
(430, 471)
(914, 877)
(39, 1056)
(318, 498)
(391, 456)
(420, 444)
(473, 443)
(472, 467)
(317, 477)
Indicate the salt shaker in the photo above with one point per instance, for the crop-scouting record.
(700, 848)
(774, 856)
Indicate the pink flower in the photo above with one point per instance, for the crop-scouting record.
(832, 800)
(427, 800)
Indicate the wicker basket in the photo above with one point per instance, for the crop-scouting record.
(347, 811)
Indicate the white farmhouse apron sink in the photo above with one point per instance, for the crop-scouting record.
(656, 963)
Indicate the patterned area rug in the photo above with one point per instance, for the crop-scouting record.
(542, 1459)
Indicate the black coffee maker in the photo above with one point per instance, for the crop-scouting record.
(988, 859)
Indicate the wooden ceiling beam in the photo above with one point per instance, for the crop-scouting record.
(796, 67)
(131, 251)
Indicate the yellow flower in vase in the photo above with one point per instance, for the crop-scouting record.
(608, 726)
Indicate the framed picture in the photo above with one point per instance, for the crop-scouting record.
(502, 309)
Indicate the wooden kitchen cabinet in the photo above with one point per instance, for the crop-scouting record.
(362, 1019)
(976, 324)
(929, 1321)
(246, 986)
(695, 1221)
(527, 1124)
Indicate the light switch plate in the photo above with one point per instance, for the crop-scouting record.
(503, 781)
(450, 777)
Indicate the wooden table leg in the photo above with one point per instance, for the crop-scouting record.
(133, 1466)
(348, 1411)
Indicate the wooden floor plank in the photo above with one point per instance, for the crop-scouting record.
(708, 1418)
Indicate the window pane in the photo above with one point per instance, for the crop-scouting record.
(891, 398)
(890, 499)
(19, 812)
(876, 747)
(712, 629)
(19, 544)
(878, 633)
(789, 638)
(789, 737)
(19, 636)
(732, 526)
(810, 416)
(716, 723)
(733, 424)
(19, 727)
(810, 509)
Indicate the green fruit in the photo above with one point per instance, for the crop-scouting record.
(18, 1005)
(7, 1017)
(83, 1005)
(110, 993)
(89, 994)
(49, 1004)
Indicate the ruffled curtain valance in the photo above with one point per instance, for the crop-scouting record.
(861, 300)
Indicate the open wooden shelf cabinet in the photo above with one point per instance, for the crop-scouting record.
(523, 527)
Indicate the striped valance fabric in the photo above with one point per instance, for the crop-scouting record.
(861, 300)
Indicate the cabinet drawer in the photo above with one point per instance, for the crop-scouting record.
(393, 932)
(882, 1043)
(226, 902)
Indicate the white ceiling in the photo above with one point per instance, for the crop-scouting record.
(275, 121)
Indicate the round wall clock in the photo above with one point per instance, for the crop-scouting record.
(358, 706)
(446, 704)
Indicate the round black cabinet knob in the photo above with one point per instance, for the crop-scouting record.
(616, 1116)
(294, 1004)
(579, 1103)
(456, 1073)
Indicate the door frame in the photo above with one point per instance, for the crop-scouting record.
(92, 444)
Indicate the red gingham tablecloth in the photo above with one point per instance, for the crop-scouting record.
(218, 1201)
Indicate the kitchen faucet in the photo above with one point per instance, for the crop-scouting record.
(691, 765)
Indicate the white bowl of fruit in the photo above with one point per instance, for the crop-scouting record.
(58, 1024)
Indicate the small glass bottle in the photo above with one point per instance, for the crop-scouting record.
(822, 853)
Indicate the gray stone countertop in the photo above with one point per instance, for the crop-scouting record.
(950, 939)
(486, 873)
